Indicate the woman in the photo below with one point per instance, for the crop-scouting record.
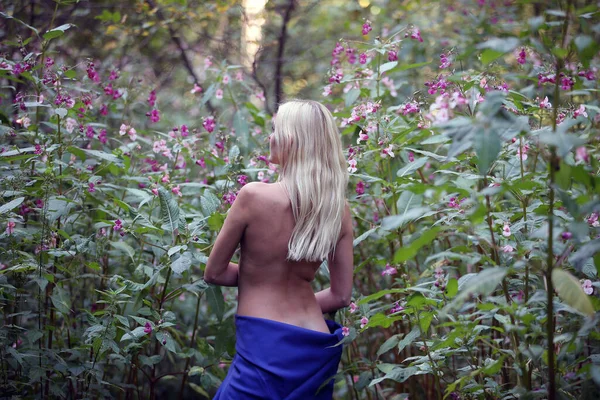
(285, 349)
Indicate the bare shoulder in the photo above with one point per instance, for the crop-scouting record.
(257, 193)
(347, 219)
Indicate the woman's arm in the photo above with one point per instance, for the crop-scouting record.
(341, 268)
(219, 270)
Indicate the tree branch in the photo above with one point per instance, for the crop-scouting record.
(280, 51)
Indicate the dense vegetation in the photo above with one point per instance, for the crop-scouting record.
(471, 132)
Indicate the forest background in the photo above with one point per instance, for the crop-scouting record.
(471, 132)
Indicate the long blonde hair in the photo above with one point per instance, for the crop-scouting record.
(313, 172)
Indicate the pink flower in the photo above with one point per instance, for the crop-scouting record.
(113, 75)
(392, 55)
(416, 35)
(566, 235)
(366, 28)
(184, 131)
(582, 155)
(177, 190)
(411, 156)
(388, 151)
(587, 287)
(345, 331)
(38, 149)
(132, 133)
(389, 270)
(545, 103)
(152, 98)
(396, 308)
(196, 89)
(508, 249)
(10, 227)
(360, 188)
(229, 197)
(103, 109)
(147, 328)
(363, 322)
(593, 220)
(155, 191)
(506, 230)
(118, 225)
(353, 307)
(209, 124)
(201, 162)
(207, 62)
(154, 115)
(522, 56)
(445, 62)
(91, 187)
(327, 90)
(580, 111)
(362, 58)
(242, 180)
(439, 273)
(239, 76)
(219, 94)
(522, 152)
(352, 168)
(260, 95)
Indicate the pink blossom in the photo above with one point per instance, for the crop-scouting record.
(239, 76)
(352, 168)
(118, 225)
(363, 322)
(508, 249)
(229, 197)
(566, 235)
(165, 178)
(566, 83)
(396, 308)
(154, 191)
(209, 124)
(389, 270)
(184, 131)
(38, 149)
(242, 180)
(581, 155)
(580, 111)
(123, 129)
(201, 162)
(176, 190)
(362, 136)
(103, 109)
(522, 56)
(91, 187)
(89, 132)
(260, 95)
(207, 62)
(366, 28)
(113, 75)
(196, 89)
(587, 287)
(411, 156)
(226, 79)
(522, 151)
(219, 94)
(152, 98)
(147, 328)
(416, 35)
(353, 307)
(392, 55)
(506, 230)
(409, 108)
(345, 331)
(593, 220)
(360, 188)
(132, 133)
(445, 61)
(327, 90)
(388, 151)
(154, 115)
(362, 58)
(10, 227)
(92, 74)
(439, 273)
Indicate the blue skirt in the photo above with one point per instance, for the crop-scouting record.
(275, 360)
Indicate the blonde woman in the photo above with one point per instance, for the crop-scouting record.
(285, 349)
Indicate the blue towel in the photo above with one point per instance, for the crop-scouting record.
(275, 360)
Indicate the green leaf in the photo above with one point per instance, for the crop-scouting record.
(564, 142)
(387, 66)
(452, 287)
(125, 248)
(61, 112)
(4, 208)
(169, 210)
(351, 97)
(585, 252)
(215, 221)
(104, 156)
(182, 263)
(570, 291)
(215, 301)
(408, 252)
(502, 45)
(56, 32)
(393, 222)
(362, 237)
(398, 374)
(60, 300)
(487, 146)
(389, 344)
(412, 66)
(490, 55)
(409, 338)
(209, 203)
(483, 283)
(412, 167)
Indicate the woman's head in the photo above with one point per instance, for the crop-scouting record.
(307, 146)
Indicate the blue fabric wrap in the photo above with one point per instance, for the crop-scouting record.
(275, 360)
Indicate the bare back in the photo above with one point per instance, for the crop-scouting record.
(270, 286)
